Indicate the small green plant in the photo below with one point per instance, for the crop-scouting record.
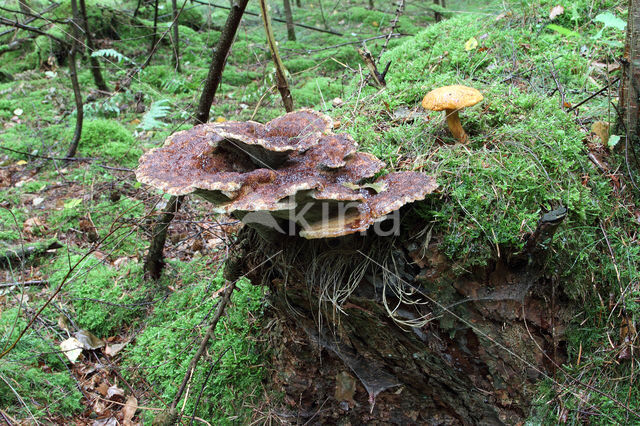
(151, 119)
(163, 350)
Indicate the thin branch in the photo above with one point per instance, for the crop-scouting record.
(281, 79)
(309, 27)
(394, 24)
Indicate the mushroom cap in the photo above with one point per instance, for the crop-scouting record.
(451, 97)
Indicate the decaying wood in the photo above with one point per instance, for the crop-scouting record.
(629, 106)
(418, 342)
(378, 78)
(23, 254)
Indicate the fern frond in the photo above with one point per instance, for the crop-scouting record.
(157, 110)
(111, 53)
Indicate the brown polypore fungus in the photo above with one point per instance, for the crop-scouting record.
(290, 170)
(451, 99)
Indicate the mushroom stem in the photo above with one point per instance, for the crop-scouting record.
(453, 121)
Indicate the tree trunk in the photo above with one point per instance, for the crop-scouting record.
(298, 3)
(437, 15)
(73, 74)
(154, 262)
(95, 65)
(281, 79)
(386, 333)
(291, 30)
(176, 36)
(219, 60)
(630, 86)
(155, 27)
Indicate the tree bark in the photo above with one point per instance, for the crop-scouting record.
(176, 37)
(73, 74)
(291, 29)
(281, 79)
(154, 262)
(95, 65)
(629, 120)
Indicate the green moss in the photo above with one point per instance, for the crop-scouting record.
(36, 372)
(109, 139)
(103, 298)
(163, 350)
(316, 91)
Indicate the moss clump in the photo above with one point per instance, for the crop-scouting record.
(103, 298)
(109, 139)
(42, 381)
(164, 349)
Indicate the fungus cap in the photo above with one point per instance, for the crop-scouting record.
(451, 97)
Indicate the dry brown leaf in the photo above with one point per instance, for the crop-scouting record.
(601, 129)
(111, 421)
(129, 410)
(112, 350)
(114, 391)
(88, 339)
(31, 224)
(103, 388)
(71, 348)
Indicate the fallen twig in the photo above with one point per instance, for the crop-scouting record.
(26, 283)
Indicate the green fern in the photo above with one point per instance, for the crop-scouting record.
(158, 110)
(111, 53)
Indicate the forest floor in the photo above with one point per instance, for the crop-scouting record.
(75, 233)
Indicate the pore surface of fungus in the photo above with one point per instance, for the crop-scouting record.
(451, 99)
(319, 184)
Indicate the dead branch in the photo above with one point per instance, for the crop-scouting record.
(394, 24)
(275, 19)
(281, 79)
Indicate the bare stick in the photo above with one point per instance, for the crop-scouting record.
(281, 79)
(203, 345)
(176, 35)
(394, 24)
(275, 19)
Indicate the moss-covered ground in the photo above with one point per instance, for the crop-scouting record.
(528, 151)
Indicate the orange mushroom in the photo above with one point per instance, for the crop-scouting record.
(451, 99)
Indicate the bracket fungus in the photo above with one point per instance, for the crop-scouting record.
(451, 99)
(292, 172)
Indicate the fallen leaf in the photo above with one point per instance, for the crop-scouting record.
(31, 224)
(88, 340)
(20, 163)
(71, 348)
(37, 201)
(63, 322)
(601, 129)
(103, 388)
(112, 350)
(114, 391)
(111, 421)
(220, 119)
(129, 410)
(471, 44)
(18, 111)
(556, 11)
